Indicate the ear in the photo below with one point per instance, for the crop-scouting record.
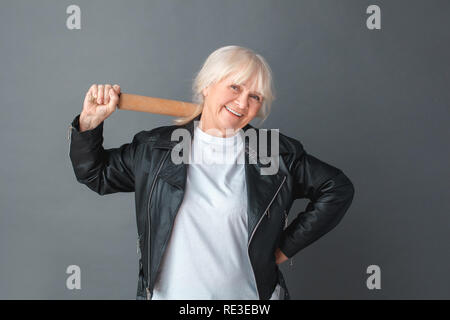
(205, 91)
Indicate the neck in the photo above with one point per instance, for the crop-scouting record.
(206, 126)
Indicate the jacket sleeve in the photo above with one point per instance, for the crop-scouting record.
(103, 171)
(330, 193)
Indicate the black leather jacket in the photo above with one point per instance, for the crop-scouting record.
(144, 167)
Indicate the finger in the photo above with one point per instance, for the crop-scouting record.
(106, 96)
(101, 92)
(94, 90)
(89, 98)
(114, 99)
(116, 88)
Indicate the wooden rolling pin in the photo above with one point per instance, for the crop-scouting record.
(168, 107)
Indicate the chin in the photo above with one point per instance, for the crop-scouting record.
(230, 123)
(233, 123)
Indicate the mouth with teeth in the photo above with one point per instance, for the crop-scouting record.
(237, 114)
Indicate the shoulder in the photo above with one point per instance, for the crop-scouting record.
(151, 136)
(290, 144)
(286, 144)
(289, 148)
(301, 160)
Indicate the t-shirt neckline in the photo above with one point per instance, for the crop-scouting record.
(210, 139)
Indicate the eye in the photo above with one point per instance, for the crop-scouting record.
(234, 87)
(256, 98)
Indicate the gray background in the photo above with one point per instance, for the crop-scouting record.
(374, 103)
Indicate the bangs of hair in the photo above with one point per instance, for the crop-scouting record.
(246, 73)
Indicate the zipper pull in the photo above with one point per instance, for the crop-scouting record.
(69, 137)
(148, 294)
(138, 249)
(69, 131)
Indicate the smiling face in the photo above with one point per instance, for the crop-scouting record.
(229, 106)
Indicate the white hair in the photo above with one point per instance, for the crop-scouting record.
(244, 64)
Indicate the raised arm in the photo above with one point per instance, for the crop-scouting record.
(103, 171)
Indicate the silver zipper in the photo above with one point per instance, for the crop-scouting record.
(69, 137)
(138, 249)
(149, 224)
(285, 219)
(291, 260)
(69, 132)
(256, 227)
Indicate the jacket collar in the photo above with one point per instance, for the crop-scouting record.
(164, 140)
(261, 189)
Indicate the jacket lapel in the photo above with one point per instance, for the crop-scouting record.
(261, 189)
(174, 174)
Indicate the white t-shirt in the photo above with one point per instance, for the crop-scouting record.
(206, 257)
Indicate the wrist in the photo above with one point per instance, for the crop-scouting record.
(83, 124)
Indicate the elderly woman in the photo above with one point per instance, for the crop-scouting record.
(213, 229)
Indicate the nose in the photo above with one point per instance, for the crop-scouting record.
(242, 101)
